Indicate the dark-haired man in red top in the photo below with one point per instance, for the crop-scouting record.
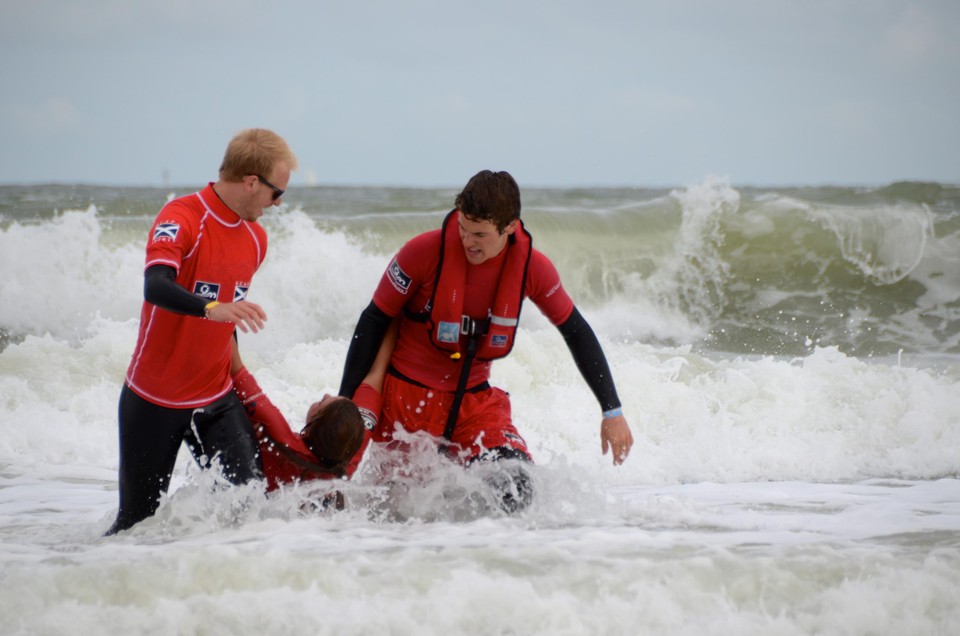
(457, 293)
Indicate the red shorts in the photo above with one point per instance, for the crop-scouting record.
(484, 421)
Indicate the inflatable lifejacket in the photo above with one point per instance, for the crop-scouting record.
(447, 323)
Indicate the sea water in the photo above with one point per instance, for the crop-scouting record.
(788, 359)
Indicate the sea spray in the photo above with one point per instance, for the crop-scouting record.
(796, 437)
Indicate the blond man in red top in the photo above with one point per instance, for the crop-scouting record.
(201, 255)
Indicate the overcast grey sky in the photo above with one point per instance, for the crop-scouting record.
(427, 92)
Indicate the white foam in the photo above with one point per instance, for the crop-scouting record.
(763, 494)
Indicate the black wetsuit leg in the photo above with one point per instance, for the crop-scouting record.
(222, 432)
(150, 438)
(512, 486)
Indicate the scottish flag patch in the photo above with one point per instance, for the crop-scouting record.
(166, 232)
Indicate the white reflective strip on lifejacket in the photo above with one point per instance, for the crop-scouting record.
(503, 322)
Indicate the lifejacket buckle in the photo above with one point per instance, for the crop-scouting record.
(471, 327)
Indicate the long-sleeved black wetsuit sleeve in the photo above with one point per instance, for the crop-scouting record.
(367, 337)
(160, 288)
(590, 360)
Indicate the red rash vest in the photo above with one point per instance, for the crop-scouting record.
(183, 361)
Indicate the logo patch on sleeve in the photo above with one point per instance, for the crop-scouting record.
(166, 232)
(499, 341)
(369, 418)
(401, 281)
(206, 290)
(240, 292)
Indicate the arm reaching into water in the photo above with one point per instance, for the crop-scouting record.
(590, 360)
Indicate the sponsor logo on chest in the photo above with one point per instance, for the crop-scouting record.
(206, 290)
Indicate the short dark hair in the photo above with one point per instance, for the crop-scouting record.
(335, 434)
(490, 196)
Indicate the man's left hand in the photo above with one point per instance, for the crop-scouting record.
(615, 434)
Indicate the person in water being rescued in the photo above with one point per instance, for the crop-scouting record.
(330, 444)
(201, 255)
(457, 293)
(334, 432)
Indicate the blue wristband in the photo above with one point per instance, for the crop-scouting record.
(617, 412)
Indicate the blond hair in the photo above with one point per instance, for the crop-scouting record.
(255, 151)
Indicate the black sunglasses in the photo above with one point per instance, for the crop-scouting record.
(277, 192)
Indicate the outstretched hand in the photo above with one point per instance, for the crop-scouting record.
(615, 434)
(245, 315)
